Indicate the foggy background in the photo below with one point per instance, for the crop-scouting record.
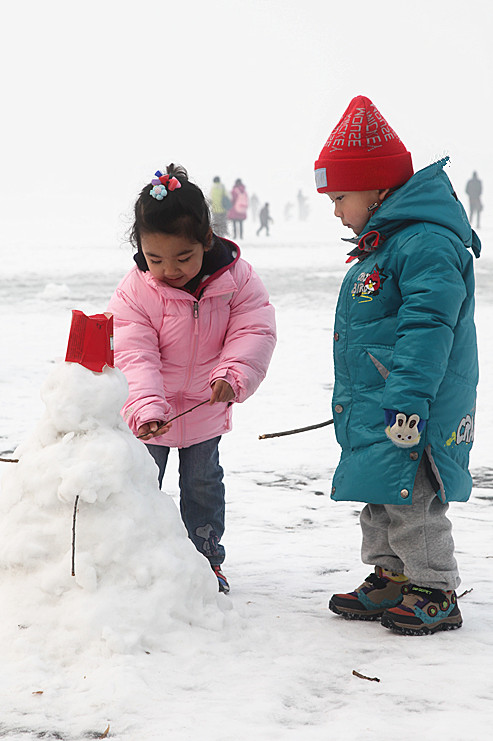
(98, 94)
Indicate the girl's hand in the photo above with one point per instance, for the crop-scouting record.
(152, 429)
(221, 391)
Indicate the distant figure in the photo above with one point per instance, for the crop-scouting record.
(238, 211)
(302, 206)
(288, 211)
(474, 188)
(220, 203)
(254, 204)
(265, 217)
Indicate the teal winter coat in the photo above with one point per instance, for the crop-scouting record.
(404, 339)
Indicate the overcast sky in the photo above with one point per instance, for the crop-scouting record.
(98, 94)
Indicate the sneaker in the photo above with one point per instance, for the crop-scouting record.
(423, 610)
(222, 581)
(379, 591)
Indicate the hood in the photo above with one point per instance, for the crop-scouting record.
(428, 196)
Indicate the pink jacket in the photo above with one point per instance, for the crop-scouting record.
(238, 211)
(172, 346)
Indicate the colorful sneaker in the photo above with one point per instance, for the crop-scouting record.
(222, 581)
(423, 610)
(379, 591)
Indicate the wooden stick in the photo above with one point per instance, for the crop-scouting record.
(73, 534)
(294, 432)
(139, 437)
(363, 676)
(9, 460)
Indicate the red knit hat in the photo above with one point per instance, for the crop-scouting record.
(362, 153)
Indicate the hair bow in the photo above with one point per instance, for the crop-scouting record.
(171, 182)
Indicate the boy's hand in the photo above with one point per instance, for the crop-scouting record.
(221, 391)
(403, 430)
(152, 429)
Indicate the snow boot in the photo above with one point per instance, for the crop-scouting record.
(379, 591)
(422, 611)
(222, 581)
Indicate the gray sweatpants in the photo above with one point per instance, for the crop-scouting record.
(415, 540)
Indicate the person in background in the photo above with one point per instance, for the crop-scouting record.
(254, 204)
(193, 329)
(288, 211)
(302, 206)
(220, 203)
(474, 189)
(265, 218)
(406, 370)
(238, 211)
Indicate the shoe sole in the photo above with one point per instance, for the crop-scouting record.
(422, 630)
(349, 615)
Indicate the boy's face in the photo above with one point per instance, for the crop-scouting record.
(171, 258)
(351, 206)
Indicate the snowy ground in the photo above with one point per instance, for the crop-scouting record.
(281, 667)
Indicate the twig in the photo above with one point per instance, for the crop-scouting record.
(362, 676)
(139, 437)
(73, 534)
(468, 591)
(9, 460)
(293, 432)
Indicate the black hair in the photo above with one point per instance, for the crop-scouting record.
(183, 212)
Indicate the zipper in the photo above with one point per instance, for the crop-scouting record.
(193, 357)
(196, 316)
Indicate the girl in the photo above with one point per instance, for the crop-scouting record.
(238, 211)
(193, 323)
(406, 370)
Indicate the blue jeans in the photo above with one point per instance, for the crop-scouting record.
(202, 505)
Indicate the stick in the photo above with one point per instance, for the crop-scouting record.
(139, 437)
(73, 534)
(9, 460)
(294, 432)
(362, 676)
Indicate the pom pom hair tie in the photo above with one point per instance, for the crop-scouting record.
(159, 184)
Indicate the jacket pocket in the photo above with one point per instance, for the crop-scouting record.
(384, 372)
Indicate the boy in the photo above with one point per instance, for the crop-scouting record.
(406, 370)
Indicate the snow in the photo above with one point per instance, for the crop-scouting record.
(139, 639)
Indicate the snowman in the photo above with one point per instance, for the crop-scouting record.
(89, 545)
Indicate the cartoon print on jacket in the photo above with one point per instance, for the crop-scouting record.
(368, 285)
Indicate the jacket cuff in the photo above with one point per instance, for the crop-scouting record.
(227, 376)
(135, 418)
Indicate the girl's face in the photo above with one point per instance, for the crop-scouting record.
(171, 258)
(351, 206)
